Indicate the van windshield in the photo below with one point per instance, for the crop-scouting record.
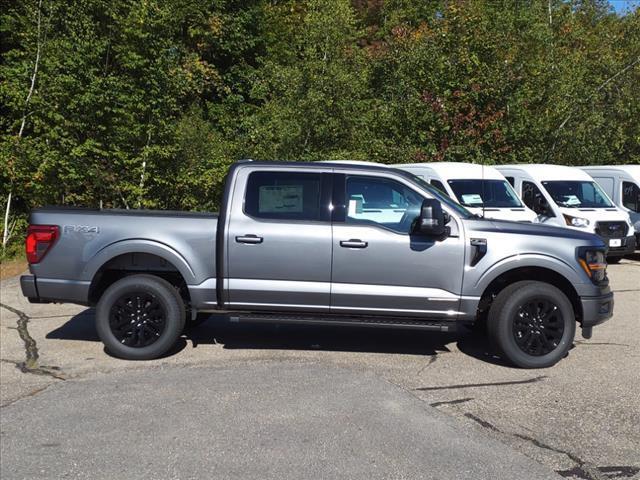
(577, 194)
(443, 198)
(485, 193)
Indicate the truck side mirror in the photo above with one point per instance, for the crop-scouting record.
(431, 220)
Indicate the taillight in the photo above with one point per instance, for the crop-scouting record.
(39, 240)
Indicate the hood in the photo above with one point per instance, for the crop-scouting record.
(533, 229)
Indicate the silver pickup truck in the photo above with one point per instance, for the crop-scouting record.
(321, 243)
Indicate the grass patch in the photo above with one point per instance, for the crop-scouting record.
(10, 267)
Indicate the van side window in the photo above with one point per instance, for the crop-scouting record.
(607, 184)
(283, 195)
(511, 180)
(529, 194)
(631, 196)
(381, 201)
(438, 184)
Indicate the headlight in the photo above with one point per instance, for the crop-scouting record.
(576, 221)
(594, 264)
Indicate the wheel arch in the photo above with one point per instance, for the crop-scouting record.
(122, 261)
(534, 273)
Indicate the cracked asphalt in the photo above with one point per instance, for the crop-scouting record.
(318, 402)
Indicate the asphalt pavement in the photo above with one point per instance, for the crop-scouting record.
(236, 401)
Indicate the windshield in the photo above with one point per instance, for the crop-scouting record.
(577, 194)
(485, 193)
(459, 209)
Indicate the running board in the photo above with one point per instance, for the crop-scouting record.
(356, 321)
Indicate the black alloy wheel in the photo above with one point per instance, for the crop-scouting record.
(538, 326)
(137, 319)
(531, 324)
(140, 317)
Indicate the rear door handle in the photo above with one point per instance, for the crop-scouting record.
(251, 239)
(353, 243)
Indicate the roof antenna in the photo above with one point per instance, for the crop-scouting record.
(482, 165)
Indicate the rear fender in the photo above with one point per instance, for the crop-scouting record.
(139, 246)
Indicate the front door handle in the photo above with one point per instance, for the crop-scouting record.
(250, 239)
(353, 243)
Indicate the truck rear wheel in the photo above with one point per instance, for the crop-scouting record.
(532, 324)
(140, 317)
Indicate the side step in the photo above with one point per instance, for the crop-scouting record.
(355, 321)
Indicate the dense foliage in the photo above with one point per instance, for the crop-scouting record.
(145, 103)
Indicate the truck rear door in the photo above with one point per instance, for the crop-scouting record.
(279, 240)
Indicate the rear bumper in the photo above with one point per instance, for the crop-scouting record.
(596, 310)
(49, 290)
(627, 247)
(28, 286)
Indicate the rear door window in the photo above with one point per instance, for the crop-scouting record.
(283, 195)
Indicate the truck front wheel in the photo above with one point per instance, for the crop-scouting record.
(532, 324)
(140, 317)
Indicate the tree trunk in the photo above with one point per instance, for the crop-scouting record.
(5, 234)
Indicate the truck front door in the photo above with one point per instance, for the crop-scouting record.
(378, 265)
(279, 240)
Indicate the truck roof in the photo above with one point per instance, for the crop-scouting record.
(352, 162)
(547, 172)
(346, 164)
(632, 170)
(458, 170)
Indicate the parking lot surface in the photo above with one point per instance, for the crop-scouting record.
(245, 401)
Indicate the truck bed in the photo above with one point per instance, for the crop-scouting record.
(92, 240)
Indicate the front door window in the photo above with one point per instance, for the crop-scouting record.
(381, 201)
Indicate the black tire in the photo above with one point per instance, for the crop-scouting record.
(140, 317)
(532, 324)
(614, 259)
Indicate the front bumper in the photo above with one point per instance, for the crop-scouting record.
(627, 246)
(596, 310)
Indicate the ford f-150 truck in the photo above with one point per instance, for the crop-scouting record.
(321, 243)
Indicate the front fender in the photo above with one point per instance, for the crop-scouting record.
(139, 246)
(477, 284)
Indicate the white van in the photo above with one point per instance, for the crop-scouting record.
(568, 197)
(481, 189)
(622, 184)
